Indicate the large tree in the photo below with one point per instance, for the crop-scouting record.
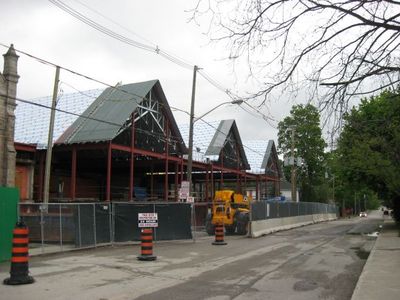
(301, 131)
(335, 48)
(369, 146)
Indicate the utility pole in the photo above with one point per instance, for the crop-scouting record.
(365, 202)
(190, 155)
(293, 173)
(355, 205)
(50, 139)
(343, 210)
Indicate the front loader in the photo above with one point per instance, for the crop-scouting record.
(230, 209)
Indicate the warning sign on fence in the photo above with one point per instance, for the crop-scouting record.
(184, 190)
(147, 220)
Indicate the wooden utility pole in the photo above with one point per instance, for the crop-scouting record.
(293, 173)
(190, 155)
(50, 139)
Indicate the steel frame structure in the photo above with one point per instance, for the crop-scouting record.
(147, 136)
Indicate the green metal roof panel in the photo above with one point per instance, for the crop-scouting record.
(113, 107)
(218, 141)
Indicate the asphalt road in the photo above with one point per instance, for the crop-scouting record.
(321, 261)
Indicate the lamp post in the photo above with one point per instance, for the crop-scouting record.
(238, 102)
(192, 121)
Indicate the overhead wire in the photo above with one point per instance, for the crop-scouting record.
(154, 49)
(76, 14)
(114, 22)
(106, 84)
(151, 133)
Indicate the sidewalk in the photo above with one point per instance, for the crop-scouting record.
(380, 276)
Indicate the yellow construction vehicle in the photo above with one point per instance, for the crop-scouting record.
(231, 209)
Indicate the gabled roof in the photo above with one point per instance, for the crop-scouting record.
(259, 152)
(114, 107)
(209, 138)
(32, 120)
(203, 133)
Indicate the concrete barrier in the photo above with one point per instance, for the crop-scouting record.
(263, 227)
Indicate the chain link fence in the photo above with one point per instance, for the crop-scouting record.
(262, 210)
(59, 227)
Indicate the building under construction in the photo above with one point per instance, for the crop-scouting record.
(123, 144)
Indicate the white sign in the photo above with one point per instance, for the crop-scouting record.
(147, 220)
(185, 185)
(184, 190)
(190, 199)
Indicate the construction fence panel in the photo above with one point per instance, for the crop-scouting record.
(261, 210)
(92, 224)
(61, 226)
(174, 220)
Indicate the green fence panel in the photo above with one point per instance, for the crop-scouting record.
(8, 217)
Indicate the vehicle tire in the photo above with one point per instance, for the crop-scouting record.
(210, 228)
(242, 222)
(242, 228)
(230, 229)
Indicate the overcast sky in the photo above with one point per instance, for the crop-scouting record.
(40, 28)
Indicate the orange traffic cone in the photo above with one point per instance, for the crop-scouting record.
(147, 245)
(19, 273)
(219, 234)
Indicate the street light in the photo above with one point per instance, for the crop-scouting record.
(237, 102)
(192, 120)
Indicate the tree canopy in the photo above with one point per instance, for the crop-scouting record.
(369, 146)
(336, 49)
(308, 144)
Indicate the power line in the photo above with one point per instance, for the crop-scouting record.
(154, 49)
(108, 85)
(46, 62)
(114, 22)
(76, 14)
(151, 133)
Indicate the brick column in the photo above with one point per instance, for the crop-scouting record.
(8, 93)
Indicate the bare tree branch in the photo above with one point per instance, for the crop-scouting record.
(337, 49)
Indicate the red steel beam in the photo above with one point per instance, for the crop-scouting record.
(108, 184)
(176, 180)
(88, 146)
(212, 182)
(166, 161)
(144, 152)
(73, 174)
(41, 174)
(132, 160)
(24, 147)
(207, 179)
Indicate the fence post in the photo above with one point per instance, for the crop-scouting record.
(79, 225)
(277, 209)
(94, 225)
(41, 208)
(155, 228)
(250, 219)
(111, 221)
(61, 231)
(265, 210)
(193, 221)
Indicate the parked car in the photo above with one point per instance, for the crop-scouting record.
(363, 214)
